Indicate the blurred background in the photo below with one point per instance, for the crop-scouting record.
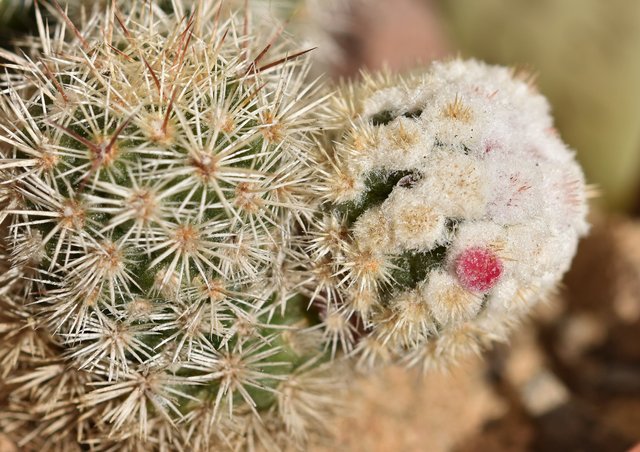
(570, 378)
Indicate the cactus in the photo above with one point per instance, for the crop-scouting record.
(154, 181)
(187, 251)
(450, 208)
(596, 109)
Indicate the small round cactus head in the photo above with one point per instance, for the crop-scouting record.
(451, 206)
(154, 177)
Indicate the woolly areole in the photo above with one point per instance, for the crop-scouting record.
(455, 183)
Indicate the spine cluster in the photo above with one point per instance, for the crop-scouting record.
(154, 177)
(450, 207)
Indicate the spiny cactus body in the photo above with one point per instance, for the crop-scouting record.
(173, 212)
(451, 207)
(154, 175)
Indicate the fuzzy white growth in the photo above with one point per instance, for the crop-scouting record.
(448, 301)
(415, 225)
(455, 181)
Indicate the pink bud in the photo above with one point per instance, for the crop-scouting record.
(478, 269)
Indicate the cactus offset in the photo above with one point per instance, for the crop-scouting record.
(450, 208)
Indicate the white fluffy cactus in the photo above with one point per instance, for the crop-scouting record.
(451, 207)
(154, 173)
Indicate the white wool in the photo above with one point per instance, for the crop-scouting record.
(493, 199)
(415, 225)
(478, 234)
(483, 143)
(448, 301)
(374, 230)
(456, 183)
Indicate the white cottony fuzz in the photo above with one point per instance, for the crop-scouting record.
(448, 301)
(415, 225)
(457, 184)
(373, 227)
(459, 206)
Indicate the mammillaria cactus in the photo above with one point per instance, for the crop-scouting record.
(450, 208)
(153, 174)
(183, 249)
